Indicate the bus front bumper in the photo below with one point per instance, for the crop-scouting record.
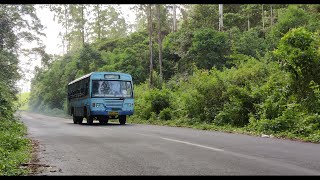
(110, 113)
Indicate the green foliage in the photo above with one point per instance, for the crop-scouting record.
(209, 48)
(6, 102)
(249, 43)
(236, 109)
(88, 60)
(274, 95)
(159, 99)
(18, 22)
(206, 100)
(23, 100)
(299, 52)
(107, 22)
(232, 19)
(204, 16)
(142, 107)
(165, 114)
(292, 17)
(14, 147)
(176, 50)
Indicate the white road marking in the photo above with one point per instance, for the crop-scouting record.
(184, 142)
(259, 159)
(192, 144)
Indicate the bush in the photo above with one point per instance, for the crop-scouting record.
(165, 114)
(159, 99)
(6, 101)
(14, 147)
(206, 98)
(299, 53)
(236, 110)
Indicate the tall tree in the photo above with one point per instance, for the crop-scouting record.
(73, 18)
(141, 21)
(271, 15)
(159, 40)
(97, 24)
(107, 23)
(150, 43)
(262, 17)
(174, 18)
(18, 24)
(82, 24)
(205, 15)
(252, 13)
(62, 16)
(220, 17)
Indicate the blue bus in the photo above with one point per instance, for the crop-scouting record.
(101, 96)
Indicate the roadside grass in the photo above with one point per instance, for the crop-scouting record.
(314, 138)
(191, 124)
(15, 148)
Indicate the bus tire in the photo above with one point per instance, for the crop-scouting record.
(80, 120)
(122, 119)
(90, 120)
(75, 119)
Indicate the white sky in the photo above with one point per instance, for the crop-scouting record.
(53, 42)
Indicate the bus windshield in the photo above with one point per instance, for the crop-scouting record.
(109, 88)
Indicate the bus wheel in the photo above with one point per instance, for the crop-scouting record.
(75, 119)
(90, 120)
(122, 119)
(80, 120)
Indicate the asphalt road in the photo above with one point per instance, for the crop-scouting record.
(134, 149)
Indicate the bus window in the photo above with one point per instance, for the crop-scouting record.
(105, 88)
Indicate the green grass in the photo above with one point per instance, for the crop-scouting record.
(191, 124)
(315, 138)
(15, 148)
(23, 100)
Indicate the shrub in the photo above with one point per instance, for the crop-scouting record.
(159, 99)
(165, 114)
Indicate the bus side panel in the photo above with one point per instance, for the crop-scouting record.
(79, 106)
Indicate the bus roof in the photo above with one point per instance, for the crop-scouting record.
(88, 75)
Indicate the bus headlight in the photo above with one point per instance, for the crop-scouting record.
(96, 105)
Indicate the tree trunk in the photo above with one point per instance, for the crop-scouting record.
(174, 18)
(150, 44)
(220, 17)
(99, 26)
(66, 28)
(262, 17)
(66, 37)
(82, 25)
(184, 15)
(159, 41)
(271, 13)
(248, 23)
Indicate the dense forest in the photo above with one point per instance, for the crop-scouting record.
(249, 66)
(254, 66)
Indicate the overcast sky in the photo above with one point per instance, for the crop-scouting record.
(53, 42)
